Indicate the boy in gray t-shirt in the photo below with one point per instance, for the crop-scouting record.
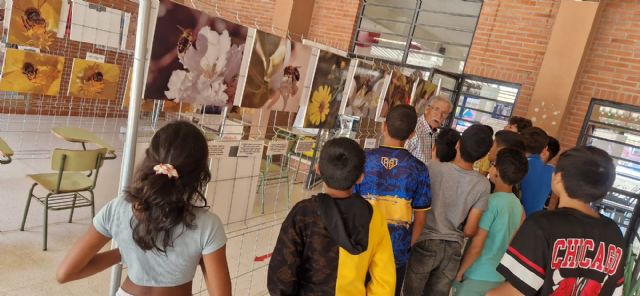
(460, 195)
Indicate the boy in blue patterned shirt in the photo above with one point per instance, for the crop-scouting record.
(398, 184)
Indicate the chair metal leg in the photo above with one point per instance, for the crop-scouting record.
(26, 208)
(73, 206)
(93, 204)
(288, 193)
(46, 221)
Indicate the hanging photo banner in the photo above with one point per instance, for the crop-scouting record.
(327, 90)
(365, 91)
(95, 24)
(33, 73)
(34, 22)
(276, 74)
(424, 91)
(398, 92)
(94, 80)
(195, 58)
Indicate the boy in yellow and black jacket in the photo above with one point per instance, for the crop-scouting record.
(328, 244)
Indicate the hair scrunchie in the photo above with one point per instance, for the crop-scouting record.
(166, 169)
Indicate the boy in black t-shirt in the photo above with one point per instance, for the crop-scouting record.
(573, 250)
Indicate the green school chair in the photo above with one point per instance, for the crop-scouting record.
(64, 187)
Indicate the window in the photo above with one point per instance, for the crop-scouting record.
(615, 128)
(424, 33)
(484, 101)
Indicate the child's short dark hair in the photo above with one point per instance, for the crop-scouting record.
(475, 142)
(401, 121)
(341, 163)
(521, 123)
(445, 142)
(553, 146)
(509, 139)
(587, 173)
(512, 165)
(535, 140)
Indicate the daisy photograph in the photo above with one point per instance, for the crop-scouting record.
(34, 23)
(94, 80)
(326, 91)
(30, 72)
(195, 58)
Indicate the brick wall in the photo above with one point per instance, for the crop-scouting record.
(612, 65)
(251, 13)
(333, 22)
(510, 43)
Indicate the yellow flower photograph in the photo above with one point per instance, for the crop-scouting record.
(34, 22)
(319, 106)
(327, 88)
(94, 80)
(30, 72)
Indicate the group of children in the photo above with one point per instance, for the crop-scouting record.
(386, 223)
(389, 224)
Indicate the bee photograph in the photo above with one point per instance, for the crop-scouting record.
(277, 71)
(30, 72)
(94, 80)
(365, 91)
(195, 58)
(329, 81)
(34, 23)
(398, 92)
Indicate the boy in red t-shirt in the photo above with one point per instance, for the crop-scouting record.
(572, 250)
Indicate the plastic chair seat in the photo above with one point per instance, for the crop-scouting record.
(5, 149)
(71, 181)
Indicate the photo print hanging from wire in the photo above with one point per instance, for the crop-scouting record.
(195, 58)
(276, 74)
(327, 90)
(365, 91)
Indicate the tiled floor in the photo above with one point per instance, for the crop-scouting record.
(26, 270)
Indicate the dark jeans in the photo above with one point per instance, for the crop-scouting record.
(400, 271)
(432, 268)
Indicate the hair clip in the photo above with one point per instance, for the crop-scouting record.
(166, 169)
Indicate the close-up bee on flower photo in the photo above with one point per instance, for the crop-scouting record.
(31, 72)
(94, 80)
(34, 22)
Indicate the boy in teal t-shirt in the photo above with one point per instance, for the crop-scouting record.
(477, 273)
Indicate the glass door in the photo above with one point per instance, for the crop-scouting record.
(484, 101)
